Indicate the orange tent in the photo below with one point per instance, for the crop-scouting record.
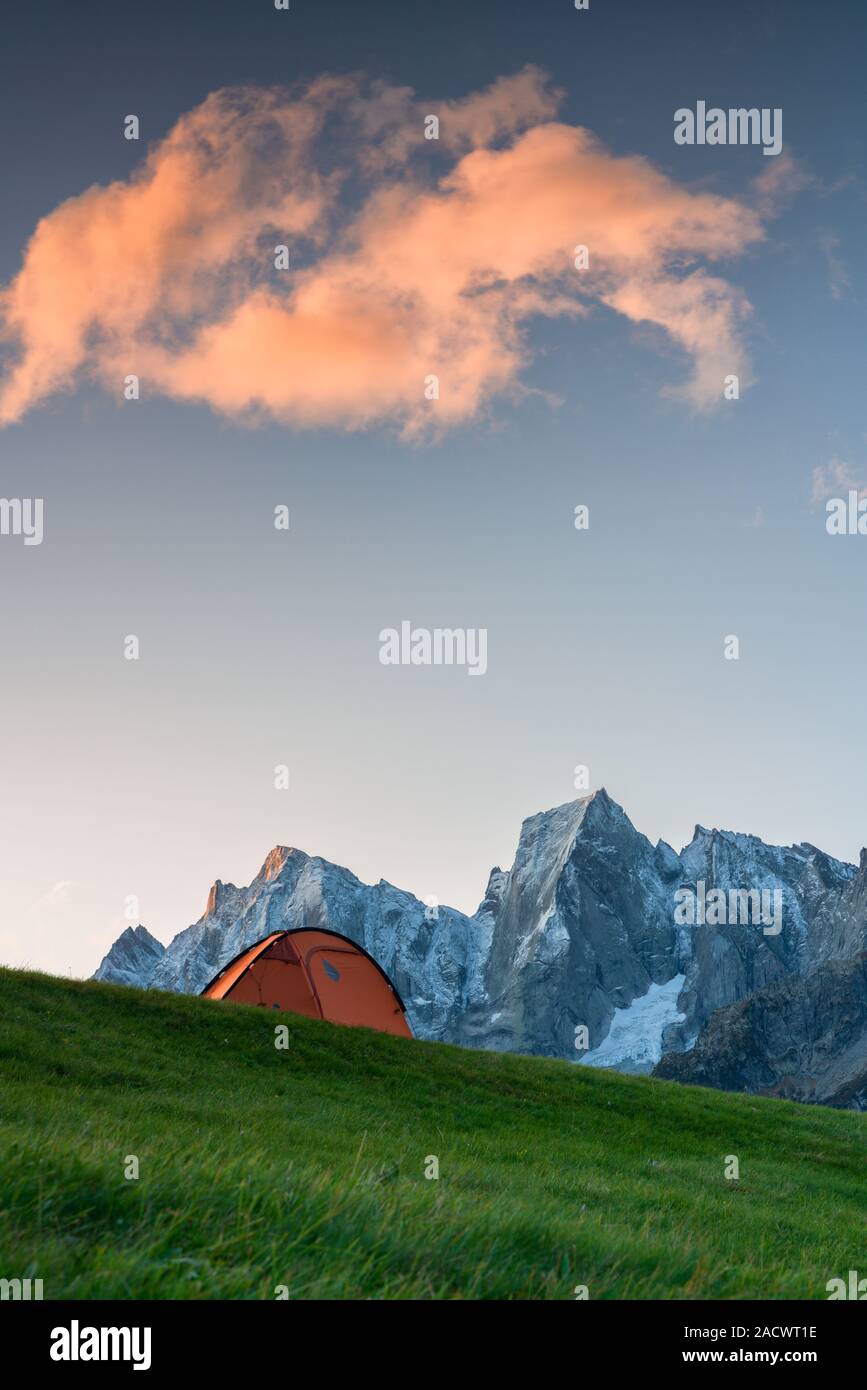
(318, 973)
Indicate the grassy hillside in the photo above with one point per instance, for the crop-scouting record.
(305, 1167)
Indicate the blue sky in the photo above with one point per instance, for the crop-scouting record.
(605, 648)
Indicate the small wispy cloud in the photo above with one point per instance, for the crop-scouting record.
(833, 477)
(779, 183)
(839, 283)
(56, 897)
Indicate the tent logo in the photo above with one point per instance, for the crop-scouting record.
(330, 970)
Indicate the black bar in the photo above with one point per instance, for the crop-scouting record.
(250, 1338)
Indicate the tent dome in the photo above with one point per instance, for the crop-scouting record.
(317, 973)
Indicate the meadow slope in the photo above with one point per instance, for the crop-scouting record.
(304, 1167)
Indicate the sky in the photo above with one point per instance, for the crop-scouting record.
(304, 388)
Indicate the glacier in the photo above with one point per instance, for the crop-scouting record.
(634, 1040)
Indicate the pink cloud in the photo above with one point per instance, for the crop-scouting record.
(407, 258)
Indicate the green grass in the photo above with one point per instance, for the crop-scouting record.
(305, 1167)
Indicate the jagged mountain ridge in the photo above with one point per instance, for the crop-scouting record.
(580, 931)
(435, 962)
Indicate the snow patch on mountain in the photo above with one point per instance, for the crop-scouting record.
(634, 1041)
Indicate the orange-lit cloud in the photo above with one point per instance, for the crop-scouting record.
(408, 258)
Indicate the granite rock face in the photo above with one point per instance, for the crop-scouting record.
(803, 1038)
(132, 959)
(819, 908)
(581, 926)
(582, 933)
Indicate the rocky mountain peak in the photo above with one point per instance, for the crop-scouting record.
(668, 861)
(275, 861)
(217, 896)
(497, 882)
(548, 838)
(132, 958)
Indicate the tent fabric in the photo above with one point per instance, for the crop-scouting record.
(314, 972)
